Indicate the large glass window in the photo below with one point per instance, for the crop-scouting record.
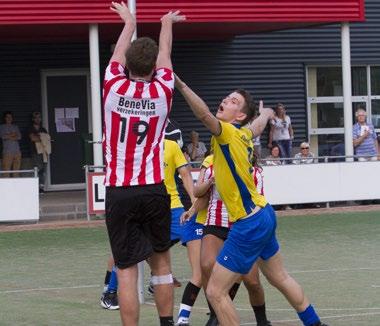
(330, 115)
(325, 104)
(329, 81)
(375, 80)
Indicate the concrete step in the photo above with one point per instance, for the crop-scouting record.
(63, 205)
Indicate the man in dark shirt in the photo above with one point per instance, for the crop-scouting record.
(37, 159)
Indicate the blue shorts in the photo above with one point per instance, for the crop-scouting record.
(176, 227)
(249, 239)
(191, 230)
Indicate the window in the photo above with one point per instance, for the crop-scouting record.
(325, 103)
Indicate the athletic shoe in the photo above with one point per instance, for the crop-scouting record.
(266, 323)
(182, 324)
(319, 324)
(150, 289)
(109, 301)
(212, 321)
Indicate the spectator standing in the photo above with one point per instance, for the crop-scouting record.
(10, 135)
(304, 156)
(364, 137)
(196, 149)
(275, 156)
(36, 133)
(281, 132)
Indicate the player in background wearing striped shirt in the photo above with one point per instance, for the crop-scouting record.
(253, 236)
(217, 226)
(136, 109)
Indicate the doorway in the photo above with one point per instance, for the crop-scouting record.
(66, 110)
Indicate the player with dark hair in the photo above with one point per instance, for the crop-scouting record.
(253, 236)
(136, 109)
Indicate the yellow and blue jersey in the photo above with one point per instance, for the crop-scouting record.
(202, 214)
(233, 150)
(173, 160)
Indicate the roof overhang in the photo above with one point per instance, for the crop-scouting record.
(67, 20)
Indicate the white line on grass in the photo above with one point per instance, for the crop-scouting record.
(51, 289)
(149, 303)
(375, 286)
(325, 317)
(336, 270)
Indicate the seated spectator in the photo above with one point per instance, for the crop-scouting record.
(196, 149)
(10, 135)
(304, 156)
(275, 156)
(364, 137)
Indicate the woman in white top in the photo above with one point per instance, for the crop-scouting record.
(281, 132)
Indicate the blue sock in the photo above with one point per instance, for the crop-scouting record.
(309, 316)
(112, 286)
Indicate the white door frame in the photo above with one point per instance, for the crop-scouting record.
(45, 119)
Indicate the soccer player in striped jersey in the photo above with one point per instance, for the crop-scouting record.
(136, 109)
(253, 236)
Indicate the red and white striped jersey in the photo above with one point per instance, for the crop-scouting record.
(217, 212)
(258, 179)
(135, 117)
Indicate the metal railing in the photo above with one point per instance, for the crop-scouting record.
(318, 159)
(34, 171)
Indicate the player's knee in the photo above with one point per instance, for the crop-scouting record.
(278, 279)
(253, 285)
(213, 293)
(207, 265)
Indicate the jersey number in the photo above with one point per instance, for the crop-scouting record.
(140, 129)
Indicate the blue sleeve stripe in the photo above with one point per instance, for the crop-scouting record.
(244, 192)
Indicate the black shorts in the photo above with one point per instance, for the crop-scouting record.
(138, 221)
(220, 232)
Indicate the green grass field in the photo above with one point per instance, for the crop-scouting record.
(54, 277)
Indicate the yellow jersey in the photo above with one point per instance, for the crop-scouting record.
(173, 160)
(233, 150)
(202, 214)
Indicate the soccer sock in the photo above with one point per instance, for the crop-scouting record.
(166, 321)
(188, 298)
(234, 290)
(309, 317)
(260, 313)
(112, 286)
(107, 280)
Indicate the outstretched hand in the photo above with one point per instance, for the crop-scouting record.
(266, 111)
(123, 11)
(173, 17)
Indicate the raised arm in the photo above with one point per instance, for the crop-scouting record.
(199, 107)
(166, 39)
(258, 125)
(124, 41)
(184, 172)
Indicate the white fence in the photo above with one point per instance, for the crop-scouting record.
(19, 199)
(290, 184)
(323, 182)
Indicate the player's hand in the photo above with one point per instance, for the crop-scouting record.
(123, 11)
(186, 216)
(266, 111)
(173, 17)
